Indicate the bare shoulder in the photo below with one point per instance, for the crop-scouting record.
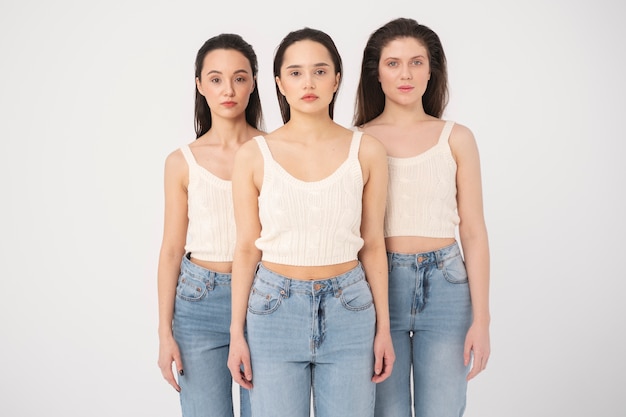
(462, 140)
(175, 163)
(461, 134)
(248, 152)
(371, 147)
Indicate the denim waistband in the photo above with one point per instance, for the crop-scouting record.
(317, 287)
(201, 273)
(424, 258)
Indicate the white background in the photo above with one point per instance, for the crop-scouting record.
(93, 96)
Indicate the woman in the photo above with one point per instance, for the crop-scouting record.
(307, 208)
(195, 262)
(439, 302)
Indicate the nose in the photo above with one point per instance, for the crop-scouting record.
(406, 73)
(308, 81)
(229, 91)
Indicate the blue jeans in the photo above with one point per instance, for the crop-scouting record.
(202, 331)
(430, 310)
(311, 338)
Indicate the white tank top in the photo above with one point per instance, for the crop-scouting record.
(421, 195)
(311, 223)
(211, 229)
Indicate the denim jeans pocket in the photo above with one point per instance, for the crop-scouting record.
(264, 298)
(454, 270)
(190, 288)
(357, 296)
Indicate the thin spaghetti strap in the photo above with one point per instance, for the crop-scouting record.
(445, 132)
(265, 150)
(191, 160)
(355, 144)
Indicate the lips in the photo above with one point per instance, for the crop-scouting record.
(405, 88)
(309, 97)
(229, 103)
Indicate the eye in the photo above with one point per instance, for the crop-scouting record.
(215, 80)
(417, 62)
(294, 73)
(392, 64)
(240, 80)
(320, 71)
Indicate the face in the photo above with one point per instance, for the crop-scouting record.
(226, 81)
(404, 70)
(307, 77)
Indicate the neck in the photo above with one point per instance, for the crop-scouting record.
(399, 114)
(229, 131)
(310, 124)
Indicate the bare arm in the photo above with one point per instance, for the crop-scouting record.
(474, 241)
(373, 254)
(247, 174)
(172, 251)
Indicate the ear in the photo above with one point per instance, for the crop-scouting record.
(199, 86)
(337, 78)
(280, 85)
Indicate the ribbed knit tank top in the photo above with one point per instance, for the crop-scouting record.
(421, 196)
(211, 228)
(311, 223)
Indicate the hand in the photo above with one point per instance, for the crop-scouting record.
(384, 357)
(168, 353)
(477, 345)
(239, 362)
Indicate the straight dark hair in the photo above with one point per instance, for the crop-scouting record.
(370, 99)
(254, 113)
(301, 35)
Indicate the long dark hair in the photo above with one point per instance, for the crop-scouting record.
(370, 99)
(301, 35)
(254, 113)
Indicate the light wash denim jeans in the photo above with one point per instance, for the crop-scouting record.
(430, 310)
(202, 331)
(311, 338)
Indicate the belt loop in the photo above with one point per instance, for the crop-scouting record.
(211, 280)
(286, 286)
(439, 258)
(336, 287)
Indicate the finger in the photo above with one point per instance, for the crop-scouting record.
(386, 371)
(247, 370)
(179, 365)
(169, 377)
(473, 372)
(477, 366)
(241, 379)
(485, 359)
(179, 368)
(237, 372)
(378, 364)
(244, 382)
(467, 353)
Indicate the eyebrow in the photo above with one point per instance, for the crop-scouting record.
(413, 57)
(239, 71)
(319, 64)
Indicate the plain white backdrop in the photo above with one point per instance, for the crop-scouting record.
(94, 95)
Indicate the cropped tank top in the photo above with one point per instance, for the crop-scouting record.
(211, 228)
(311, 223)
(421, 195)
